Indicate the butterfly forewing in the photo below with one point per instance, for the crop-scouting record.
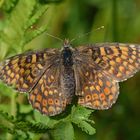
(120, 61)
(24, 70)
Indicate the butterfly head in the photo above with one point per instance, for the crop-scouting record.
(66, 44)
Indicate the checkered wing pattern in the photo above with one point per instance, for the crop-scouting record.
(23, 71)
(120, 61)
(49, 96)
(96, 91)
(107, 64)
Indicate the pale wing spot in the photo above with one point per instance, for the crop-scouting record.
(17, 76)
(15, 66)
(12, 75)
(55, 91)
(13, 81)
(102, 51)
(46, 93)
(25, 86)
(95, 96)
(52, 77)
(131, 67)
(92, 88)
(112, 63)
(33, 58)
(50, 92)
(29, 78)
(97, 60)
(86, 88)
(118, 60)
(115, 50)
(51, 109)
(41, 81)
(125, 63)
(122, 69)
(9, 72)
(110, 97)
(21, 71)
(133, 57)
(14, 61)
(125, 53)
(87, 74)
(17, 69)
(124, 49)
(119, 74)
(98, 88)
(100, 83)
(40, 66)
(133, 46)
(42, 88)
(124, 57)
(134, 52)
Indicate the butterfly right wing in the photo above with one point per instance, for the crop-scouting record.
(99, 68)
(49, 96)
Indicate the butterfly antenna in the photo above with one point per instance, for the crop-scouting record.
(55, 37)
(85, 34)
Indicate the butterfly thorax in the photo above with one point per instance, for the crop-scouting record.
(67, 54)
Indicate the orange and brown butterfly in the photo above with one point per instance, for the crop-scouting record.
(53, 77)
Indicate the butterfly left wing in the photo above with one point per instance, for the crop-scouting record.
(24, 70)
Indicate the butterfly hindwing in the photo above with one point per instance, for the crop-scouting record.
(49, 95)
(96, 91)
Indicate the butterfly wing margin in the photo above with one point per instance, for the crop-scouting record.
(24, 70)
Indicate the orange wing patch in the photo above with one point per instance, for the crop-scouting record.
(101, 92)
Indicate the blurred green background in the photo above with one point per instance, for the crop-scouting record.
(121, 19)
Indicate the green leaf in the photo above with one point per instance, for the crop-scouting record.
(31, 35)
(14, 31)
(36, 16)
(86, 127)
(8, 5)
(63, 131)
(80, 116)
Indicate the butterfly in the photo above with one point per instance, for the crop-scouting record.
(53, 77)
